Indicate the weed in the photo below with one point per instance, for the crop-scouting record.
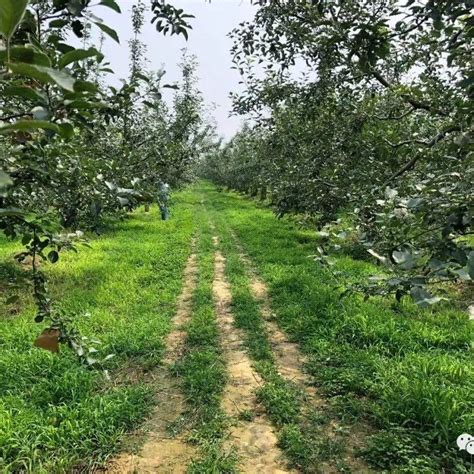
(246, 415)
(410, 368)
(55, 413)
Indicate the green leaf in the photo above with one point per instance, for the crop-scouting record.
(109, 31)
(25, 93)
(66, 130)
(404, 258)
(463, 274)
(77, 55)
(53, 256)
(414, 203)
(470, 264)
(58, 23)
(12, 299)
(5, 180)
(85, 86)
(184, 32)
(64, 48)
(28, 126)
(123, 201)
(26, 239)
(107, 69)
(111, 4)
(44, 74)
(11, 14)
(141, 76)
(423, 298)
(23, 54)
(111, 186)
(91, 360)
(84, 104)
(75, 7)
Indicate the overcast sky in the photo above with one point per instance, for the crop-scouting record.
(207, 40)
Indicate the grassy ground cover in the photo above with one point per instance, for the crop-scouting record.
(55, 413)
(406, 371)
(299, 434)
(202, 367)
(301, 428)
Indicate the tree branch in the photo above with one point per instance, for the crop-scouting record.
(408, 166)
(416, 104)
(440, 136)
(417, 24)
(405, 142)
(14, 116)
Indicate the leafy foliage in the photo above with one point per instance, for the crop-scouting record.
(380, 130)
(73, 150)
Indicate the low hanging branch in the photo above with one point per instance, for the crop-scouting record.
(416, 104)
(408, 166)
(398, 117)
(440, 136)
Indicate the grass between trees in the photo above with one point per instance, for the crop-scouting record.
(404, 371)
(55, 413)
(300, 426)
(202, 367)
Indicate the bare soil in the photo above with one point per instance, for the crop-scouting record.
(255, 441)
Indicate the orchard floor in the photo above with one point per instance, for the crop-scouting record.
(233, 352)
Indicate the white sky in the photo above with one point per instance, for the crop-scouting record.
(207, 40)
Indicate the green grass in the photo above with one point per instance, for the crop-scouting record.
(55, 413)
(202, 368)
(408, 372)
(283, 400)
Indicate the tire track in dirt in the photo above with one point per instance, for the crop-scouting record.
(161, 452)
(288, 358)
(290, 364)
(255, 441)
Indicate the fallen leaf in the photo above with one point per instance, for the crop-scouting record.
(48, 340)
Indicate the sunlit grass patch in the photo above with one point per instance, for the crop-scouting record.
(54, 412)
(393, 365)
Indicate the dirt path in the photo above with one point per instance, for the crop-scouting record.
(253, 438)
(288, 358)
(251, 434)
(163, 453)
(290, 364)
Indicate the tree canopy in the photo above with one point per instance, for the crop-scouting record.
(378, 130)
(75, 151)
